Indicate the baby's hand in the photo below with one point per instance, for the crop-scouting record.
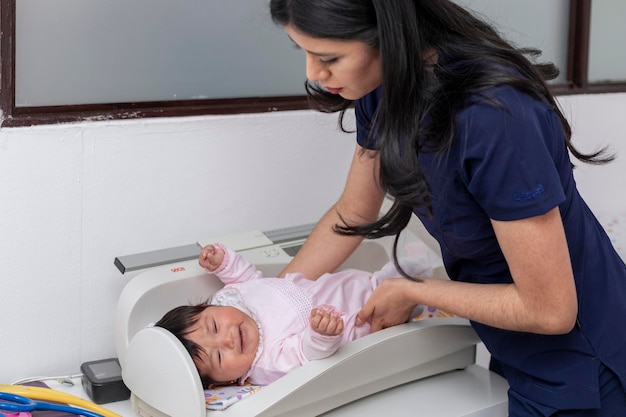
(211, 257)
(326, 320)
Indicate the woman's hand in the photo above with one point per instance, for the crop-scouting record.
(211, 257)
(389, 305)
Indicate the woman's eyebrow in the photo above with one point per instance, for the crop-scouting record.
(320, 54)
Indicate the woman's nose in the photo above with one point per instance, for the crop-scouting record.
(315, 71)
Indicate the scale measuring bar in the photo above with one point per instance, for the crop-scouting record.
(248, 240)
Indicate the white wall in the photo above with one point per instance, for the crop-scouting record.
(73, 197)
(599, 120)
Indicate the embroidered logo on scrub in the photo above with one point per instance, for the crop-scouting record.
(530, 194)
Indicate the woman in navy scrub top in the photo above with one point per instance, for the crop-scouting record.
(459, 128)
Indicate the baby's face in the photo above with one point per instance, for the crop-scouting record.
(229, 338)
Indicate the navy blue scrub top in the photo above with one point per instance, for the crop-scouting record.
(510, 165)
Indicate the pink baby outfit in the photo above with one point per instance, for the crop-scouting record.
(281, 309)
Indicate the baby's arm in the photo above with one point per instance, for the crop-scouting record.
(227, 264)
(323, 336)
(294, 350)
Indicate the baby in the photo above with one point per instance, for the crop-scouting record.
(258, 329)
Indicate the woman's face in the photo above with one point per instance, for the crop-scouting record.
(230, 339)
(348, 68)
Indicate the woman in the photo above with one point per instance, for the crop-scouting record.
(460, 129)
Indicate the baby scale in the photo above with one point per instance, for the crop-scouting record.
(419, 368)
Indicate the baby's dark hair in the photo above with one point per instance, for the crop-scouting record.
(179, 321)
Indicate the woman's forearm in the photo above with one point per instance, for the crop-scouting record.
(496, 305)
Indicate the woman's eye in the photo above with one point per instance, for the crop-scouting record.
(328, 61)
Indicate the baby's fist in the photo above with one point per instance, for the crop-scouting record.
(211, 257)
(326, 320)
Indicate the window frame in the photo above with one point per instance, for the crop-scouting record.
(11, 116)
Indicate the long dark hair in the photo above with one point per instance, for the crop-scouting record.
(473, 58)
